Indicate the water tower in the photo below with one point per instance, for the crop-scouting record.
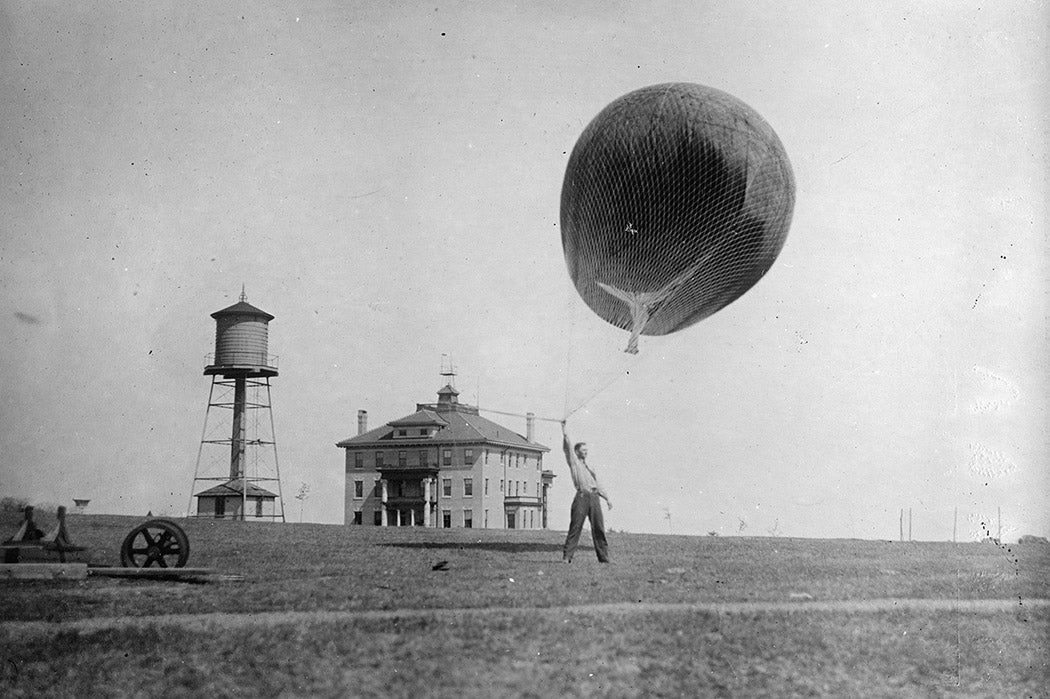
(237, 460)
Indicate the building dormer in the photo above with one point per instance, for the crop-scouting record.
(421, 424)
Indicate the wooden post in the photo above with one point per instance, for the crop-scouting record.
(909, 525)
(902, 524)
(955, 524)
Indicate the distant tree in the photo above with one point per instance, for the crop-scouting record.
(304, 491)
(712, 533)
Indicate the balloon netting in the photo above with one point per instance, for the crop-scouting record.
(677, 199)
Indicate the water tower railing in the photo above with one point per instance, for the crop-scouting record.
(243, 359)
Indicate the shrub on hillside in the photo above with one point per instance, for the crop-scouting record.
(1032, 539)
(12, 505)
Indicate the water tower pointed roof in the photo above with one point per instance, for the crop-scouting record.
(448, 391)
(242, 308)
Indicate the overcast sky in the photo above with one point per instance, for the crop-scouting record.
(385, 181)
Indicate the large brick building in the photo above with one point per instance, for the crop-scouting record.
(445, 466)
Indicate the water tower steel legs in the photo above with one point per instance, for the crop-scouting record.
(276, 465)
(243, 439)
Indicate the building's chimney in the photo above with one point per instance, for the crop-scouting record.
(530, 426)
(362, 421)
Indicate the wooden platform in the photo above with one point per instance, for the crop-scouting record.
(80, 571)
(43, 571)
(188, 574)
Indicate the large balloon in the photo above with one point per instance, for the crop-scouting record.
(677, 199)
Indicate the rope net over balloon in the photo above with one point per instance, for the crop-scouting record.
(677, 199)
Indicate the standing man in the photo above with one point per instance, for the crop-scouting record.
(587, 504)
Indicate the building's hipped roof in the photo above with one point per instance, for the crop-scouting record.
(235, 487)
(460, 427)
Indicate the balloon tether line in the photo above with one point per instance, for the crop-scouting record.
(568, 354)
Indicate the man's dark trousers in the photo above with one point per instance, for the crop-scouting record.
(586, 505)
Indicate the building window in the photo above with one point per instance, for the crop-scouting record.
(446, 519)
(446, 457)
(378, 489)
(220, 507)
(377, 518)
(402, 459)
(359, 460)
(501, 485)
(258, 507)
(539, 461)
(510, 520)
(468, 456)
(486, 486)
(359, 489)
(423, 458)
(379, 459)
(468, 519)
(402, 433)
(446, 487)
(357, 517)
(468, 487)
(486, 519)
(424, 432)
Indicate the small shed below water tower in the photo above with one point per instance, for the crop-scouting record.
(231, 501)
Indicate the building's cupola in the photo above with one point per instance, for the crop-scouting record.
(448, 397)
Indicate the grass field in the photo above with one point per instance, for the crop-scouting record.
(358, 611)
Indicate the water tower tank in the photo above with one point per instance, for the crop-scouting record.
(241, 341)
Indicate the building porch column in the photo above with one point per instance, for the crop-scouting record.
(426, 502)
(383, 522)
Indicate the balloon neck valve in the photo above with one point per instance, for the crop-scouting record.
(639, 304)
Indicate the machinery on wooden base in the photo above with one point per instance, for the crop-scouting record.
(157, 548)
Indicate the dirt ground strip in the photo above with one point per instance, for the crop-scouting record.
(22, 629)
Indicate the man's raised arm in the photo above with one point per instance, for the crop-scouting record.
(566, 444)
